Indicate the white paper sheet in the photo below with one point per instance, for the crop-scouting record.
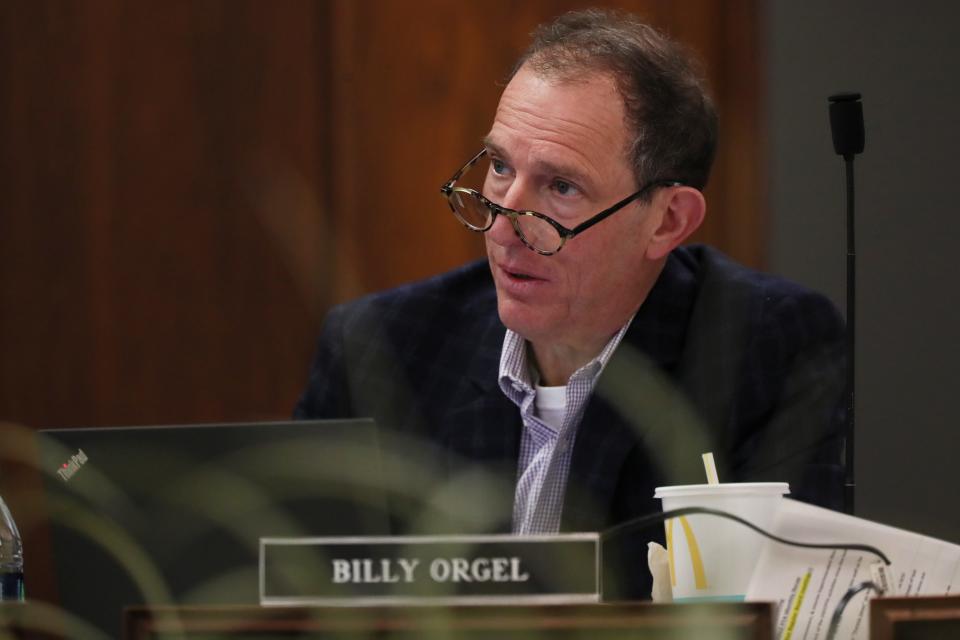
(807, 584)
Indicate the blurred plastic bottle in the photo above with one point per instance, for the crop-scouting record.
(11, 557)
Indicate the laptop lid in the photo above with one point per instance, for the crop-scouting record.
(174, 514)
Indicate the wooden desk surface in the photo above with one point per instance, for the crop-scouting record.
(916, 618)
(641, 621)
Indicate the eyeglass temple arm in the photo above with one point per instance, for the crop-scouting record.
(606, 213)
(448, 185)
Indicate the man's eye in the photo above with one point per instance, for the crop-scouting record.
(498, 166)
(564, 188)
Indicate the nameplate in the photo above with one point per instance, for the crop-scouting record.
(430, 570)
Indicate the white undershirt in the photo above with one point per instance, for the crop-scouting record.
(552, 405)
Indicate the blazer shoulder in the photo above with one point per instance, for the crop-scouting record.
(368, 345)
(748, 331)
(764, 296)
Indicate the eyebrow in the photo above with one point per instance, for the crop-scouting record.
(545, 166)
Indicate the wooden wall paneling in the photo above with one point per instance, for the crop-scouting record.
(159, 209)
(409, 94)
(736, 194)
(743, 152)
(43, 350)
(229, 110)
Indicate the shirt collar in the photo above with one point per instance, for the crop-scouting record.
(518, 377)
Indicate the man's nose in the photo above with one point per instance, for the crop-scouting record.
(502, 231)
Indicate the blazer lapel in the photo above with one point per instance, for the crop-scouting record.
(636, 417)
(481, 431)
(598, 456)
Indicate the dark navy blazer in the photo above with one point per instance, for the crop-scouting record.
(718, 358)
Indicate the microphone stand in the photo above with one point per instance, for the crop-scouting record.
(846, 127)
(850, 478)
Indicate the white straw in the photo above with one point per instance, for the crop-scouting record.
(711, 468)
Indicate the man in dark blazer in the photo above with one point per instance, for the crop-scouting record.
(649, 353)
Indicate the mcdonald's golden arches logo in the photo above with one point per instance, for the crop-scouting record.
(699, 575)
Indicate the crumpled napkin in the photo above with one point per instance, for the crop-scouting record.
(659, 562)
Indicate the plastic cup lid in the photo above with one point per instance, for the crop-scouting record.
(724, 488)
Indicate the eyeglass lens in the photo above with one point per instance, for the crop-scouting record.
(535, 231)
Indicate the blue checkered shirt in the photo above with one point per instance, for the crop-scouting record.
(545, 451)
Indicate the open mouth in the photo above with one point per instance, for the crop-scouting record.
(517, 277)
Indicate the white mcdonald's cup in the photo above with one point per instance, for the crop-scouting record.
(712, 558)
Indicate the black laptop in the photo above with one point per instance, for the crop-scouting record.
(174, 514)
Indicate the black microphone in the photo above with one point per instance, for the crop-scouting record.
(846, 127)
(846, 124)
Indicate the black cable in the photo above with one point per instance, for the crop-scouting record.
(847, 597)
(643, 522)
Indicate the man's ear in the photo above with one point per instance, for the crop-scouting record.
(682, 209)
